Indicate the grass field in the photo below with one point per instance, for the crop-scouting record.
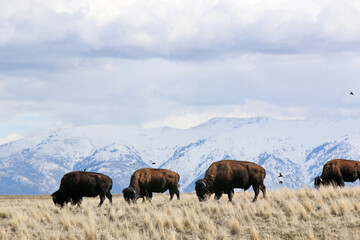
(285, 214)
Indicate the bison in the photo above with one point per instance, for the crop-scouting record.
(145, 181)
(337, 172)
(76, 185)
(223, 176)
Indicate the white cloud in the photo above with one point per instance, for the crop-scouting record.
(144, 92)
(340, 29)
(139, 40)
(176, 63)
(174, 26)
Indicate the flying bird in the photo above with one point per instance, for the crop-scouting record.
(153, 163)
(281, 182)
(280, 175)
(351, 93)
(85, 170)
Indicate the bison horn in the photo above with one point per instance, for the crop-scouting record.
(204, 184)
(134, 191)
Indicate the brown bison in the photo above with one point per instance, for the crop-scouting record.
(76, 185)
(145, 181)
(223, 176)
(337, 172)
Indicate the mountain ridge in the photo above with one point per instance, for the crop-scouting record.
(297, 148)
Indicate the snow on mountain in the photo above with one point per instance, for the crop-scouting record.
(297, 149)
(10, 138)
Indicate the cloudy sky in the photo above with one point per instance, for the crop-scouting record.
(177, 63)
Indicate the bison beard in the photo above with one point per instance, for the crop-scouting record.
(76, 185)
(223, 176)
(145, 181)
(337, 172)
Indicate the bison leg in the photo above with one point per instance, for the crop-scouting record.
(147, 196)
(76, 200)
(174, 191)
(79, 201)
(341, 182)
(150, 195)
(263, 189)
(230, 195)
(171, 194)
(109, 196)
(177, 193)
(143, 194)
(256, 190)
(218, 195)
(102, 199)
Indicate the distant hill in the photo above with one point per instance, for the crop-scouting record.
(297, 149)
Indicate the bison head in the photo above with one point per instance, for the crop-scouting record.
(130, 195)
(318, 181)
(59, 198)
(202, 190)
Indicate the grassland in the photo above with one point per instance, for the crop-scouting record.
(285, 214)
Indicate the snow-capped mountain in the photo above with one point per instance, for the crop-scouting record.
(297, 149)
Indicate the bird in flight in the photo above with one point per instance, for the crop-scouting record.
(351, 93)
(280, 175)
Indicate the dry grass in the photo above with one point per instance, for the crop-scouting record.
(286, 214)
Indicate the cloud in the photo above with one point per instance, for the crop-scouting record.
(172, 29)
(177, 63)
(123, 91)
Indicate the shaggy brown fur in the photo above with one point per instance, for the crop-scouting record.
(76, 185)
(223, 176)
(145, 181)
(337, 172)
